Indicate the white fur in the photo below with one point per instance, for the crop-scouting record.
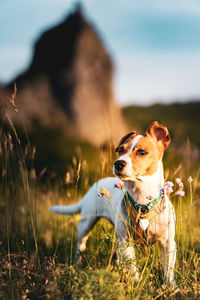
(92, 207)
(149, 185)
(126, 157)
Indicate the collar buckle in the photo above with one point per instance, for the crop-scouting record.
(144, 209)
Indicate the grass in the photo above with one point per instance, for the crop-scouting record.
(37, 247)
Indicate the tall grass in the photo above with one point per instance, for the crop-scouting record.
(37, 248)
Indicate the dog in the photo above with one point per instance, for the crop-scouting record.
(134, 201)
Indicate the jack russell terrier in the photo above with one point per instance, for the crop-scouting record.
(139, 207)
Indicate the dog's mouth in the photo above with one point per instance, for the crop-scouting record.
(120, 174)
(124, 177)
(117, 173)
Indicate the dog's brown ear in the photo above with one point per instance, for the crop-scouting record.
(161, 133)
(126, 140)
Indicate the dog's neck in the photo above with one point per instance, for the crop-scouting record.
(145, 187)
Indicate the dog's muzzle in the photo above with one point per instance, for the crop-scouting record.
(119, 165)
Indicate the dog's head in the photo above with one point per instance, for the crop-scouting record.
(139, 155)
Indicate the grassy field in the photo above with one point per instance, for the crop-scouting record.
(37, 247)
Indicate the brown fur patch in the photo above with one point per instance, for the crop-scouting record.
(145, 164)
(125, 142)
(160, 133)
(154, 143)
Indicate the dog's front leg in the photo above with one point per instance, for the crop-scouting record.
(168, 250)
(128, 254)
(126, 251)
(168, 253)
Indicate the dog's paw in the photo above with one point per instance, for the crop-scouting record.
(77, 258)
(172, 283)
(133, 271)
(136, 276)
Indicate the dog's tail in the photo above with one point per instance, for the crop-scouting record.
(67, 209)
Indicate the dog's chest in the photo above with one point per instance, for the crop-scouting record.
(157, 229)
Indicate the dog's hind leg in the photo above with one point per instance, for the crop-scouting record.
(85, 226)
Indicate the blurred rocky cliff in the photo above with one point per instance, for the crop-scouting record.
(69, 83)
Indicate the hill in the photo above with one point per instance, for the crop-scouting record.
(182, 119)
(69, 83)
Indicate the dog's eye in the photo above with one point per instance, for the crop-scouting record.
(119, 150)
(141, 152)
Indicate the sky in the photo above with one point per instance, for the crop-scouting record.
(155, 44)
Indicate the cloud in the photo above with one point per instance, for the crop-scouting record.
(165, 77)
(154, 43)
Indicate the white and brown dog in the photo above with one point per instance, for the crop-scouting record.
(139, 167)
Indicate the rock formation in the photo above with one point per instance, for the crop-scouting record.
(70, 83)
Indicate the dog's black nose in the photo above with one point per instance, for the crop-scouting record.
(119, 165)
